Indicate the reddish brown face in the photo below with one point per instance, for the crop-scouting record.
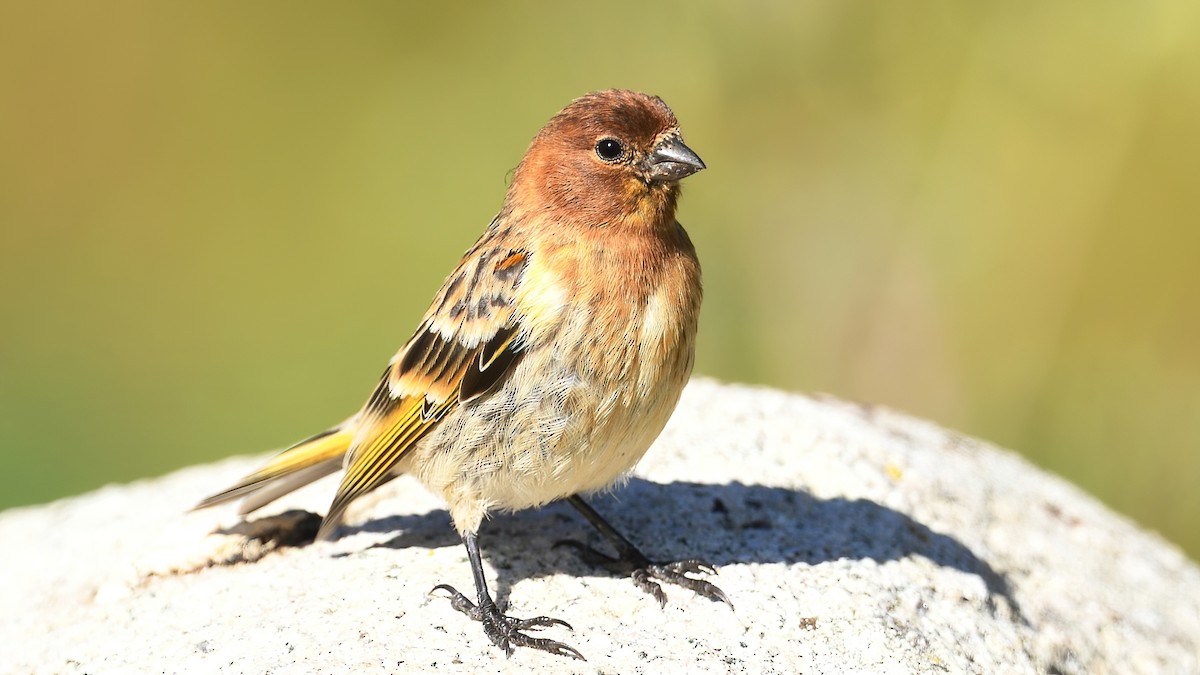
(609, 156)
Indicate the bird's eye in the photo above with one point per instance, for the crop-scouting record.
(609, 150)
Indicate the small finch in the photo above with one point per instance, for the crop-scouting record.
(548, 362)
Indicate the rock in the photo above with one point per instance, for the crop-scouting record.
(849, 538)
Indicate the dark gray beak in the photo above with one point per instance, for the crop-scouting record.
(671, 160)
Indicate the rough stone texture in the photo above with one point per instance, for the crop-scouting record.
(851, 539)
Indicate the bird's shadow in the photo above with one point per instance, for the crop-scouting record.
(725, 524)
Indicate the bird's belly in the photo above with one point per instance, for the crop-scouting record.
(547, 433)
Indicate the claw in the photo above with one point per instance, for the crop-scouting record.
(633, 562)
(646, 574)
(505, 631)
(641, 579)
(692, 566)
(675, 573)
(542, 622)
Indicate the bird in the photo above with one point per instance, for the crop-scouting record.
(547, 363)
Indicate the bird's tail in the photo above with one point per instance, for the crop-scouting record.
(290, 470)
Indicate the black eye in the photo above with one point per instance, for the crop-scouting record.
(609, 150)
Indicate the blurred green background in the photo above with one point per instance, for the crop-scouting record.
(220, 219)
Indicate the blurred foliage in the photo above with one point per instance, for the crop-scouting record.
(219, 219)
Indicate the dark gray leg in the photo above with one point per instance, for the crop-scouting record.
(503, 631)
(633, 562)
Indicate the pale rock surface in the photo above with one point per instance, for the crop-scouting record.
(851, 539)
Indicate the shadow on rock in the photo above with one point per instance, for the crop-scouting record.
(721, 524)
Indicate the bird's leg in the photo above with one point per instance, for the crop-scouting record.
(633, 562)
(503, 631)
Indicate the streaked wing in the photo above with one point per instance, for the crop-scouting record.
(468, 341)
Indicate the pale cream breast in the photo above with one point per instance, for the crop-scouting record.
(604, 367)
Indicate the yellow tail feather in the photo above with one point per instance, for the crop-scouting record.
(291, 469)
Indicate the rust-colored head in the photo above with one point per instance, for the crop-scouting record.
(613, 157)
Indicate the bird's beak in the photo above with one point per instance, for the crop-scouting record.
(671, 160)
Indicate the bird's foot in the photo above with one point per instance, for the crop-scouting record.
(647, 574)
(505, 631)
